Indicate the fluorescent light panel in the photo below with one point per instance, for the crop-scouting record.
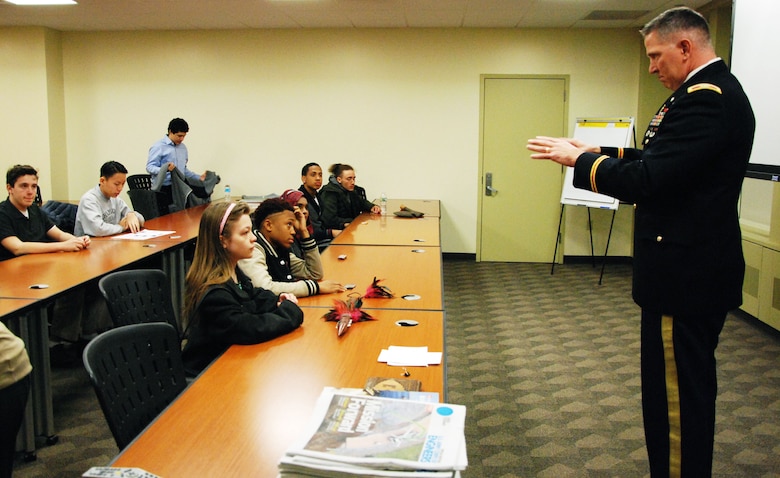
(42, 2)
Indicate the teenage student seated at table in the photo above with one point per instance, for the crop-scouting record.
(339, 200)
(311, 179)
(295, 198)
(221, 305)
(272, 265)
(101, 211)
(25, 229)
(15, 371)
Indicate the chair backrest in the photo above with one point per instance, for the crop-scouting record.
(146, 201)
(136, 371)
(138, 296)
(150, 204)
(62, 214)
(139, 181)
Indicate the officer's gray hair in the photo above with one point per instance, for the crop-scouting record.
(675, 20)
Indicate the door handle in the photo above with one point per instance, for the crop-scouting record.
(489, 189)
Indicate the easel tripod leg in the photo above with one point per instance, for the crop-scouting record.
(557, 241)
(606, 249)
(590, 230)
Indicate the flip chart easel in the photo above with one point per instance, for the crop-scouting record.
(603, 132)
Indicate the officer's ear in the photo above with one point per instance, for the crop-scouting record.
(685, 47)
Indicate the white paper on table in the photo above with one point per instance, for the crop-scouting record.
(401, 356)
(143, 235)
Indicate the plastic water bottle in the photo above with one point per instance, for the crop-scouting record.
(383, 203)
(227, 192)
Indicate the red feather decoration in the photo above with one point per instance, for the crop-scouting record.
(345, 313)
(380, 291)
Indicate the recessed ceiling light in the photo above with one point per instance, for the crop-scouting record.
(42, 2)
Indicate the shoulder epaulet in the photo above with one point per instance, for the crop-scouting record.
(705, 86)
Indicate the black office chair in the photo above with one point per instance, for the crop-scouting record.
(149, 203)
(138, 296)
(62, 214)
(136, 371)
(139, 181)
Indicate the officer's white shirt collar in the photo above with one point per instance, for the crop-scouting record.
(690, 75)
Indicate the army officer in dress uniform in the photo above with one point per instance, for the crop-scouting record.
(688, 263)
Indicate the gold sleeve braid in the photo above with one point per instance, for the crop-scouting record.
(593, 169)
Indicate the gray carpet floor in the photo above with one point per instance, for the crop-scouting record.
(548, 366)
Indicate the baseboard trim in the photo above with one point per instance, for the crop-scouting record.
(459, 256)
(599, 260)
(466, 256)
(756, 322)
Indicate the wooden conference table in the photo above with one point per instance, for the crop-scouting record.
(10, 307)
(390, 230)
(185, 224)
(41, 278)
(242, 412)
(59, 273)
(240, 415)
(418, 287)
(429, 207)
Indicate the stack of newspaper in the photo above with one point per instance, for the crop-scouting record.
(360, 435)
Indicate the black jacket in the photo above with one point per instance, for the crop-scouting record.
(339, 206)
(322, 234)
(685, 185)
(233, 313)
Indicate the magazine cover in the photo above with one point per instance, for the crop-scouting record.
(385, 432)
(387, 383)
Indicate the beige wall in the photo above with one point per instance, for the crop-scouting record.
(402, 106)
(55, 89)
(24, 108)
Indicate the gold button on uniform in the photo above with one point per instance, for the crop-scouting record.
(659, 238)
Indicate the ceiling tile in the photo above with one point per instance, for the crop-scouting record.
(232, 14)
